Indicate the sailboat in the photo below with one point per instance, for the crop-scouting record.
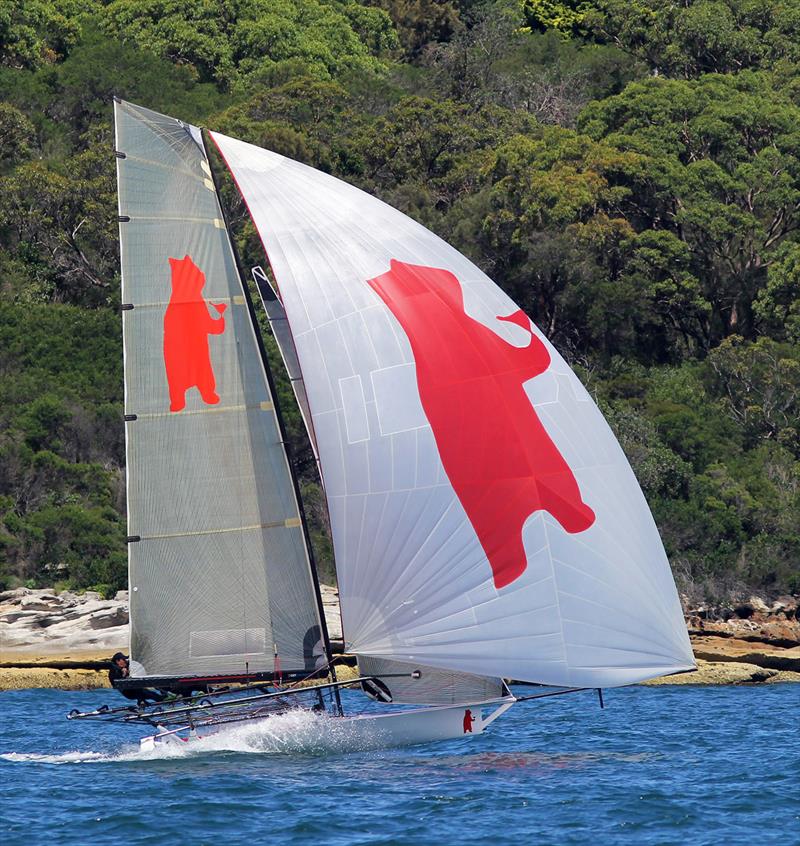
(486, 524)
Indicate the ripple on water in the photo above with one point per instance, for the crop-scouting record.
(658, 767)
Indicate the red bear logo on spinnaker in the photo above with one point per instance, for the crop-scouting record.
(187, 325)
(498, 456)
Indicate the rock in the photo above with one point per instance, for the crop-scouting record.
(15, 616)
(330, 605)
(768, 656)
(786, 605)
(719, 672)
(52, 620)
(14, 595)
(41, 620)
(67, 598)
(107, 617)
(781, 632)
(39, 603)
(783, 677)
(74, 612)
(15, 679)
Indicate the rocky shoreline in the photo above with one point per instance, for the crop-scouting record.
(61, 640)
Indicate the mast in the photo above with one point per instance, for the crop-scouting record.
(281, 425)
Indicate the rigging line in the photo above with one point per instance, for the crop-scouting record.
(240, 496)
(553, 693)
(554, 577)
(326, 666)
(267, 696)
(240, 420)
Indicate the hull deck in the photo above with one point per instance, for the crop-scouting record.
(371, 731)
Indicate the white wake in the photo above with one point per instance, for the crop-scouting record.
(298, 732)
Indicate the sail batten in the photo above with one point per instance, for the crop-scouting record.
(470, 477)
(281, 524)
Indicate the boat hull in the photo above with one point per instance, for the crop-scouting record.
(377, 731)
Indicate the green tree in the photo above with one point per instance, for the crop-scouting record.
(698, 36)
(723, 176)
(61, 224)
(761, 385)
(98, 68)
(38, 32)
(777, 306)
(567, 18)
(559, 233)
(17, 133)
(228, 41)
(421, 22)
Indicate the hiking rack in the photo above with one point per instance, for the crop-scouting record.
(203, 708)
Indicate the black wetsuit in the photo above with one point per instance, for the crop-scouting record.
(144, 694)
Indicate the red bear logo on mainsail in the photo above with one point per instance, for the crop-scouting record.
(187, 325)
(498, 456)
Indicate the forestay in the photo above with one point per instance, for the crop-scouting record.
(484, 517)
(219, 573)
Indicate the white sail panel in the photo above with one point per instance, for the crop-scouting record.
(218, 567)
(484, 517)
(415, 684)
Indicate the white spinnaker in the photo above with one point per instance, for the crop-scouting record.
(594, 608)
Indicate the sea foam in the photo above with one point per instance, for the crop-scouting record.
(298, 732)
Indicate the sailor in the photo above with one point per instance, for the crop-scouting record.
(120, 669)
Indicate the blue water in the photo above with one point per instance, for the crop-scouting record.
(669, 765)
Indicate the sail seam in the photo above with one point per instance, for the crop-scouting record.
(555, 592)
(656, 593)
(633, 600)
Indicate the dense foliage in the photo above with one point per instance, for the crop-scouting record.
(628, 172)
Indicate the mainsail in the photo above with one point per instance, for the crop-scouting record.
(485, 519)
(219, 571)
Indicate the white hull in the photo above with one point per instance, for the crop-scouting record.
(381, 731)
